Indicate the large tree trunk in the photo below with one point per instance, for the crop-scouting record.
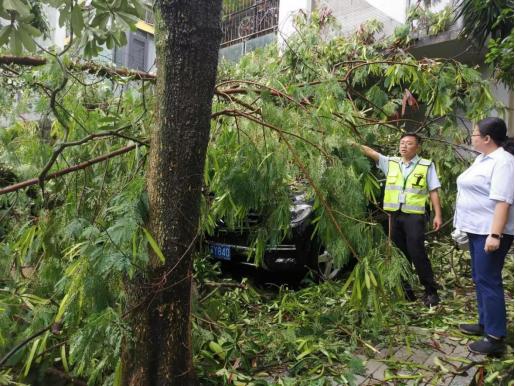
(187, 40)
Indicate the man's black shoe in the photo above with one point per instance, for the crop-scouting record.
(472, 329)
(487, 346)
(409, 295)
(431, 300)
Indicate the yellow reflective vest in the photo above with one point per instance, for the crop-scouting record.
(411, 191)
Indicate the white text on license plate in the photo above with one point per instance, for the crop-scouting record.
(220, 251)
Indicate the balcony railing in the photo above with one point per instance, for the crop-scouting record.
(249, 19)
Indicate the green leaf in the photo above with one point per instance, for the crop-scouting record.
(33, 350)
(217, 349)
(17, 5)
(77, 20)
(154, 246)
(372, 278)
(16, 44)
(110, 43)
(31, 30)
(64, 16)
(492, 377)
(62, 308)
(139, 8)
(118, 374)
(304, 353)
(36, 299)
(5, 32)
(127, 20)
(64, 361)
(26, 39)
(121, 39)
(348, 282)
(115, 4)
(100, 19)
(439, 363)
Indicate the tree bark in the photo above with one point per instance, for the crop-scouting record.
(187, 36)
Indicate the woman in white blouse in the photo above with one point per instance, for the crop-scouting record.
(484, 211)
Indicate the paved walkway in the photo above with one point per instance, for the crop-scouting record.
(433, 359)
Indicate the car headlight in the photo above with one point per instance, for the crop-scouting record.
(299, 213)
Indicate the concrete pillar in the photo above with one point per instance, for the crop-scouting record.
(288, 9)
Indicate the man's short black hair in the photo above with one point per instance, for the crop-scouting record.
(414, 135)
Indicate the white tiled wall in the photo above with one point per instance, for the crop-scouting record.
(352, 13)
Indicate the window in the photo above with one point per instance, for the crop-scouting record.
(135, 54)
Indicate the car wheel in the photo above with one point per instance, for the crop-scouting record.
(326, 268)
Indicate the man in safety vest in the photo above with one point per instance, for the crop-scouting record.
(409, 180)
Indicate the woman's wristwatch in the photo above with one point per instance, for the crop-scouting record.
(496, 236)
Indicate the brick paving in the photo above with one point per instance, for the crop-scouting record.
(434, 359)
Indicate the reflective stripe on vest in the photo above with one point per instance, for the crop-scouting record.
(414, 187)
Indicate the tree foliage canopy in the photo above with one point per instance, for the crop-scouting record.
(100, 23)
(491, 21)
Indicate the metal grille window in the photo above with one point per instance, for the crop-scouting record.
(135, 54)
(247, 19)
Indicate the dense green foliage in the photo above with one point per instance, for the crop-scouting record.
(281, 121)
(66, 252)
(493, 20)
(298, 109)
(101, 23)
(431, 23)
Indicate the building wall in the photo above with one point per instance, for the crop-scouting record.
(396, 9)
(352, 13)
(57, 34)
(288, 9)
(139, 53)
(435, 6)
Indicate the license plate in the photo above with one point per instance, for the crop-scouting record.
(220, 251)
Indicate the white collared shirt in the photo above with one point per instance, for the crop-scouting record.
(487, 181)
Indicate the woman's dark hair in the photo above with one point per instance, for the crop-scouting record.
(496, 129)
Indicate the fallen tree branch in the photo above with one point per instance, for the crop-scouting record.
(89, 67)
(82, 141)
(235, 113)
(302, 167)
(223, 285)
(82, 165)
(109, 72)
(363, 342)
(22, 344)
(23, 60)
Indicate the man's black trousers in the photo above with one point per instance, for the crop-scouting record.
(408, 235)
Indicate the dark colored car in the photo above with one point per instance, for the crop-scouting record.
(299, 253)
